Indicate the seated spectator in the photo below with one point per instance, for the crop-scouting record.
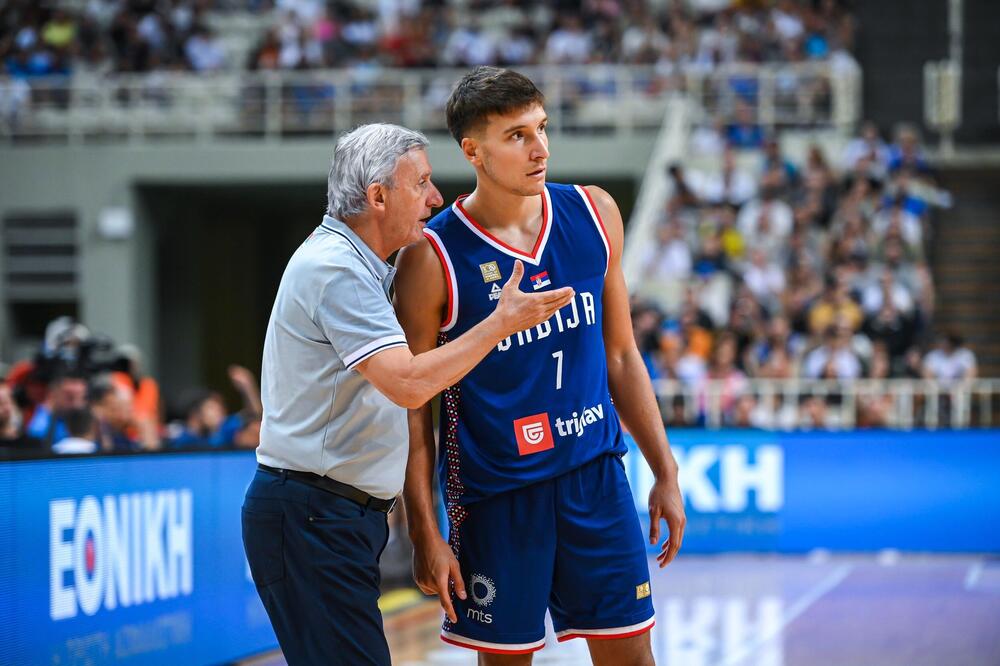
(779, 341)
(835, 358)
(746, 319)
(886, 290)
(906, 153)
(683, 195)
(707, 140)
(804, 287)
(778, 172)
(867, 145)
(733, 243)
(646, 330)
(205, 420)
(813, 413)
(470, 46)
(144, 389)
(112, 405)
(731, 185)
(10, 423)
(711, 260)
(723, 375)
(677, 416)
(66, 392)
(834, 304)
(764, 279)
(670, 260)
(767, 219)
(950, 362)
(204, 51)
(894, 330)
(744, 133)
(568, 43)
(82, 428)
(897, 222)
(875, 405)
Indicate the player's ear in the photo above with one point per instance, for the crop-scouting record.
(470, 149)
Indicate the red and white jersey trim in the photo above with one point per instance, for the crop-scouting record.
(616, 632)
(496, 648)
(598, 222)
(451, 311)
(543, 234)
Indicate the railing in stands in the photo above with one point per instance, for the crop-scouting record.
(788, 404)
(614, 99)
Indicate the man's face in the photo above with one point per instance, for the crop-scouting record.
(69, 394)
(6, 405)
(212, 413)
(116, 408)
(513, 150)
(410, 201)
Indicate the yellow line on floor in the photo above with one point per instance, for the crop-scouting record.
(397, 600)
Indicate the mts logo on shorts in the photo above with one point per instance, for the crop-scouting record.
(533, 434)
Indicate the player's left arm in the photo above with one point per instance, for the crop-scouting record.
(632, 390)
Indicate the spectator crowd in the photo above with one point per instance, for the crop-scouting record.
(785, 270)
(82, 394)
(38, 39)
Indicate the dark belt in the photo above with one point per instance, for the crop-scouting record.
(335, 487)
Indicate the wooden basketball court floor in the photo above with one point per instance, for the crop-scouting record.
(739, 610)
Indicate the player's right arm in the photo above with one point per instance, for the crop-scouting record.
(421, 299)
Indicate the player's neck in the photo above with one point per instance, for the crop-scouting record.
(494, 208)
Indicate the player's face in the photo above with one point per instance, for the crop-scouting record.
(514, 150)
(410, 201)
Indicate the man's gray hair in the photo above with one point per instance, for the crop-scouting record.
(367, 154)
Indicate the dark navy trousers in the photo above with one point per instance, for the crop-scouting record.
(314, 559)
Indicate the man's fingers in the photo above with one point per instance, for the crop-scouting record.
(676, 539)
(654, 524)
(445, 597)
(673, 544)
(456, 578)
(516, 274)
(564, 294)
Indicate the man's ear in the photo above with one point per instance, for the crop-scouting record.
(470, 150)
(376, 196)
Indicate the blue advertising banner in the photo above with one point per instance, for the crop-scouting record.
(134, 560)
(850, 491)
(139, 559)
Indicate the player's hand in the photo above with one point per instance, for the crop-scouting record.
(436, 571)
(518, 310)
(665, 502)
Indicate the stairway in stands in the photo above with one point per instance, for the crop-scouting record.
(965, 256)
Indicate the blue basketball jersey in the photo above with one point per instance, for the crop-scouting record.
(538, 405)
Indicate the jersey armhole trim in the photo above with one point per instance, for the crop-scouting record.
(451, 309)
(588, 201)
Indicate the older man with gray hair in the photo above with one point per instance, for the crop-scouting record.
(337, 379)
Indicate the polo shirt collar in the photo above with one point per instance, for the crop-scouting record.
(383, 271)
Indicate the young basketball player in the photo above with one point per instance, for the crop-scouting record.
(540, 511)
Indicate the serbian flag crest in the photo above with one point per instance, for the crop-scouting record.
(540, 280)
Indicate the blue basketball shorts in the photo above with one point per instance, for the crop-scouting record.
(572, 545)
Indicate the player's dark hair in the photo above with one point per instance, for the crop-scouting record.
(484, 92)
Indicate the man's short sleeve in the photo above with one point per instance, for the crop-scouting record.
(355, 315)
